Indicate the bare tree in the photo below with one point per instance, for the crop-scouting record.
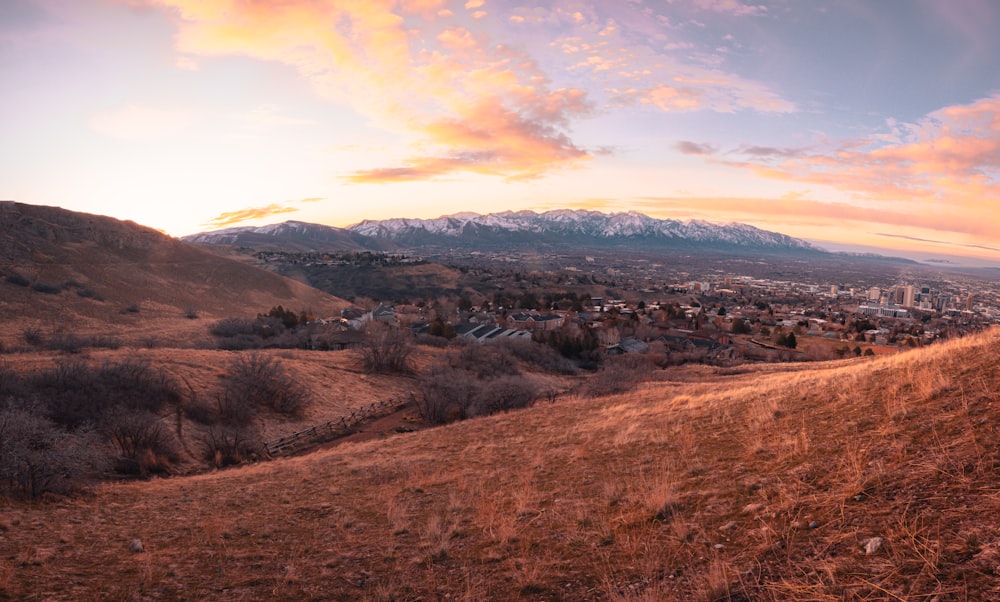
(386, 348)
(143, 441)
(37, 457)
(255, 381)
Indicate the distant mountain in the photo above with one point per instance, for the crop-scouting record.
(291, 236)
(64, 271)
(577, 228)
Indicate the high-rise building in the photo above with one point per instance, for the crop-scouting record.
(874, 294)
(909, 296)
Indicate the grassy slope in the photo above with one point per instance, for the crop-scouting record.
(125, 265)
(703, 488)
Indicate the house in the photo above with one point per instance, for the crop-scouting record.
(383, 313)
(534, 321)
(483, 333)
(628, 345)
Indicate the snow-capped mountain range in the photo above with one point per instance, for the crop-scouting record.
(551, 229)
(290, 236)
(562, 225)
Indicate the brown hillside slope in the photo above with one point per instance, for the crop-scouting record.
(81, 273)
(752, 486)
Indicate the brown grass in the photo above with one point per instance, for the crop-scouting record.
(760, 485)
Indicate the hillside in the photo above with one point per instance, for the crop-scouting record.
(291, 236)
(62, 271)
(860, 480)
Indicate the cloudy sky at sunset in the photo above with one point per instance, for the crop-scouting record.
(844, 122)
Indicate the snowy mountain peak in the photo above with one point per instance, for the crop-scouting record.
(563, 224)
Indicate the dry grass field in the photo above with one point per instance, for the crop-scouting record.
(63, 272)
(868, 479)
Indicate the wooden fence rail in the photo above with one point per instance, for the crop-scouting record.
(332, 429)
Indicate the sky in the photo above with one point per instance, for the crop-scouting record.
(849, 123)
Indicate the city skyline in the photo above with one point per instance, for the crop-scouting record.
(849, 124)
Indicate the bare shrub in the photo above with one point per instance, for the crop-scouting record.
(484, 361)
(230, 327)
(45, 288)
(455, 392)
(226, 445)
(36, 457)
(136, 385)
(538, 355)
(143, 443)
(386, 348)
(504, 394)
(446, 395)
(33, 336)
(88, 293)
(256, 381)
(77, 393)
(17, 279)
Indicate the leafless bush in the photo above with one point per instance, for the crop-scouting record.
(538, 355)
(386, 348)
(36, 457)
(144, 445)
(226, 445)
(256, 381)
(446, 394)
(17, 279)
(46, 288)
(33, 336)
(432, 341)
(88, 293)
(231, 327)
(77, 393)
(483, 361)
(504, 394)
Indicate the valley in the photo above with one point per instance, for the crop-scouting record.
(701, 425)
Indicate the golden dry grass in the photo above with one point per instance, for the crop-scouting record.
(760, 485)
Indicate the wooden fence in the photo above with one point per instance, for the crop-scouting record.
(328, 431)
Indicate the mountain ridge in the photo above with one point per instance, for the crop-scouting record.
(576, 224)
(507, 228)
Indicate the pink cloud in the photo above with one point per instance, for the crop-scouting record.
(951, 157)
(231, 218)
(407, 74)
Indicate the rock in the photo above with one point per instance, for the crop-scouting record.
(813, 524)
(871, 545)
(135, 546)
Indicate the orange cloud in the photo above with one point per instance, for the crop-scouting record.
(493, 141)
(637, 75)
(949, 162)
(798, 209)
(231, 218)
(392, 63)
